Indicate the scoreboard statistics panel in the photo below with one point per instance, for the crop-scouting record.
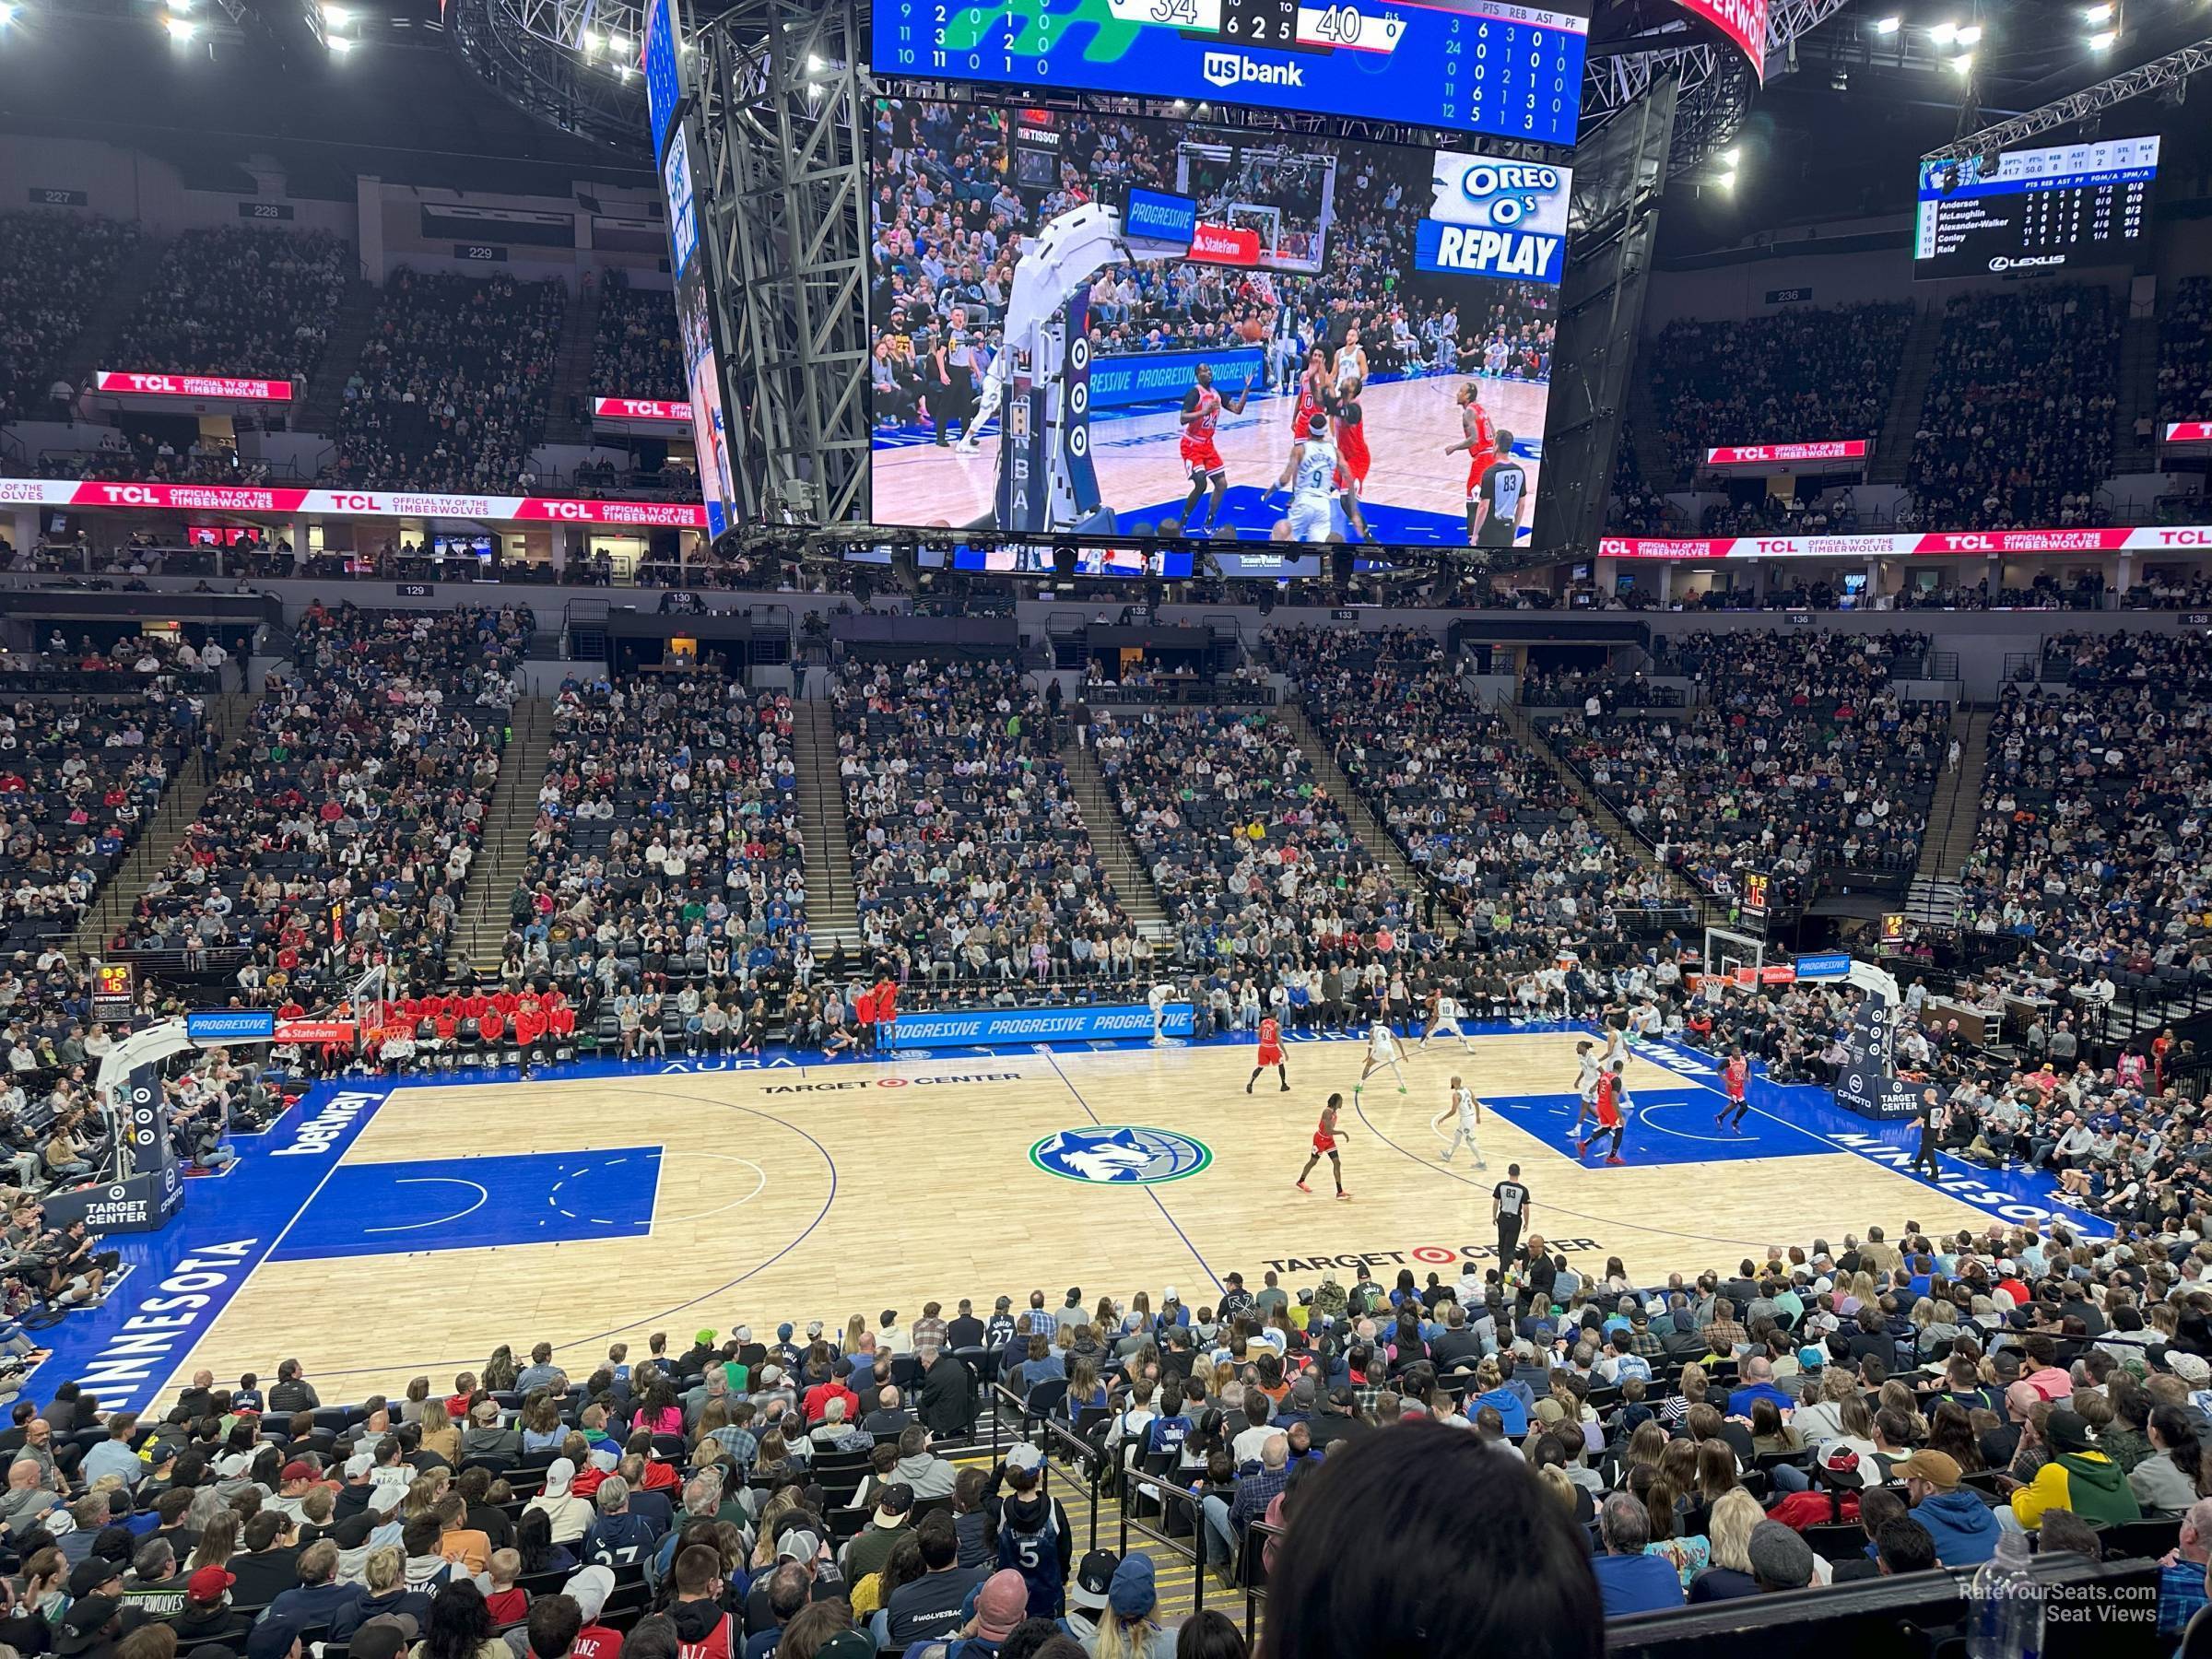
(1493, 66)
(2037, 209)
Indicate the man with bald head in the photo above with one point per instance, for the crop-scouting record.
(1226, 1522)
(28, 1498)
(2181, 1571)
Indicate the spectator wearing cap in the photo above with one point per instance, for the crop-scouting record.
(298, 1477)
(1088, 1594)
(1963, 1527)
(867, 1550)
(319, 1596)
(89, 1629)
(1629, 1580)
(1130, 1628)
(589, 1588)
(2077, 1478)
(208, 1614)
(1780, 1559)
(570, 1516)
(96, 1575)
(1000, 1604)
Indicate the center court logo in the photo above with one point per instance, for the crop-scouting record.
(1228, 69)
(1121, 1155)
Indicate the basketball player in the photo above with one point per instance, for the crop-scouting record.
(1443, 1015)
(1271, 1053)
(1587, 1072)
(1735, 1074)
(1467, 1111)
(1312, 393)
(1159, 996)
(1325, 1146)
(1494, 354)
(1311, 477)
(1202, 408)
(1382, 1050)
(1498, 498)
(1612, 1100)
(1478, 438)
(1351, 361)
(1616, 1048)
(1352, 459)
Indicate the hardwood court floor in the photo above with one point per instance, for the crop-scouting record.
(829, 1191)
(1409, 424)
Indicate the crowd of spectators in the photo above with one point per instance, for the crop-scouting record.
(2017, 426)
(634, 352)
(54, 267)
(341, 829)
(971, 862)
(667, 860)
(251, 301)
(1796, 376)
(452, 389)
(2185, 352)
(2093, 807)
(1799, 758)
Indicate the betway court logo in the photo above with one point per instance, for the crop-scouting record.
(1228, 69)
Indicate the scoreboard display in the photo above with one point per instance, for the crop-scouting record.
(2036, 209)
(1492, 66)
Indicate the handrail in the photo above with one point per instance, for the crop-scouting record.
(1194, 1554)
(1078, 1448)
(1256, 1592)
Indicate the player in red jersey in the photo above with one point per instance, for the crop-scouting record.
(1202, 408)
(1325, 1146)
(1478, 438)
(1352, 459)
(1735, 1075)
(1612, 1095)
(1271, 1053)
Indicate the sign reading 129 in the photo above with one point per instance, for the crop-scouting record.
(1495, 67)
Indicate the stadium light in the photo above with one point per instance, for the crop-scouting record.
(2097, 14)
(1733, 157)
(340, 45)
(591, 42)
(1943, 34)
(8, 13)
(1964, 63)
(336, 16)
(180, 30)
(618, 44)
(1970, 35)
(1887, 26)
(1725, 181)
(813, 63)
(180, 7)
(2102, 40)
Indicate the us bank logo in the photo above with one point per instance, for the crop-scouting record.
(1121, 1155)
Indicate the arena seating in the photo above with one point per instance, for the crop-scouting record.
(54, 267)
(1803, 760)
(634, 351)
(1792, 377)
(667, 845)
(1471, 809)
(2185, 352)
(452, 389)
(953, 784)
(249, 301)
(344, 824)
(2017, 426)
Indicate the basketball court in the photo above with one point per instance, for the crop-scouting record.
(1416, 494)
(381, 1230)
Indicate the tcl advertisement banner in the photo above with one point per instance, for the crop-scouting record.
(2188, 431)
(1743, 21)
(191, 385)
(1765, 455)
(356, 504)
(641, 408)
(1935, 544)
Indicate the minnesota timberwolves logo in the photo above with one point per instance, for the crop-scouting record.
(1121, 1155)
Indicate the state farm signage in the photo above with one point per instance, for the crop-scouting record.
(1224, 244)
(641, 408)
(193, 385)
(1750, 455)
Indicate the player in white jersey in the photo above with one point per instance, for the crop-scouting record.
(1443, 1015)
(1587, 1072)
(1382, 1050)
(1158, 998)
(1616, 1048)
(1466, 1112)
(1311, 477)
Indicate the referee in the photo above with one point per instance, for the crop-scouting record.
(1510, 1208)
(1934, 1120)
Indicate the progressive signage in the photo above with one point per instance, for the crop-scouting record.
(231, 1024)
(1771, 455)
(1037, 1025)
(222, 387)
(352, 504)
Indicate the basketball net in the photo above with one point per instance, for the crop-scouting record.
(366, 997)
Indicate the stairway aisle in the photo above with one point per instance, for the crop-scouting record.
(230, 713)
(480, 928)
(1117, 854)
(1372, 833)
(341, 356)
(831, 916)
(93, 348)
(1954, 821)
(1916, 365)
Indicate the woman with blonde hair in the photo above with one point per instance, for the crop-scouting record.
(218, 1541)
(855, 1328)
(439, 1434)
(1728, 1547)
(1129, 1627)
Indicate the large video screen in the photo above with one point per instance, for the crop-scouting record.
(1491, 67)
(1117, 327)
(2035, 209)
